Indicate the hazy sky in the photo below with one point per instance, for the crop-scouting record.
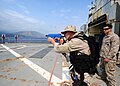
(45, 16)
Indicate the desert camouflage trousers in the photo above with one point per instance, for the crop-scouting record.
(108, 72)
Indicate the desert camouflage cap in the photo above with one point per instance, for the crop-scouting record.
(69, 28)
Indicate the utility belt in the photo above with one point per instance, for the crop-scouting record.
(82, 62)
(78, 59)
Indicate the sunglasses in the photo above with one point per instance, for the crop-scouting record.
(106, 28)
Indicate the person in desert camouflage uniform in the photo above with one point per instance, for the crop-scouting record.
(72, 44)
(109, 49)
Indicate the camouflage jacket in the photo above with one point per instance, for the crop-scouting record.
(75, 44)
(110, 46)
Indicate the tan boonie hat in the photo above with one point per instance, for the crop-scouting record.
(69, 28)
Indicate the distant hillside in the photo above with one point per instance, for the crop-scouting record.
(31, 34)
(24, 34)
(7, 34)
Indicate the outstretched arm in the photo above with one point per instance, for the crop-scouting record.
(51, 40)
